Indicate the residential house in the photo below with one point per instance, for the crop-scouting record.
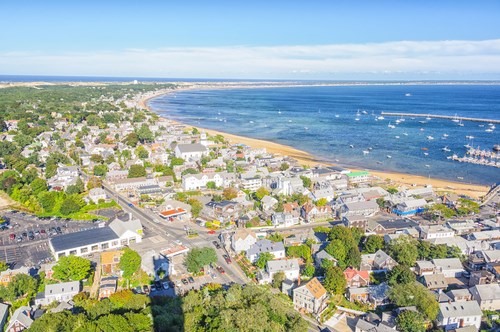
(7, 275)
(96, 194)
(107, 287)
(323, 255)
(363, 208)
(310, 297)
(485, 235)
(268, 202)
(487, 296)
(356, 278)
(450, 267)
(434, 281)
(251, 184)
(359, 294)
(58, 292)
(20, 320)
(435, 231)
(423, 268)
(4, 313)
(277, 249)
(481, 277)
(378, 294)
(390, 226)
(461, 227)
(115, 175)
(290, 267)
(298, 237)
(379, 261)
(310, 212)
(359, 177)
(134, 183)
(457, 295)
(242, 240)
(357, 221)
(110, 261)
(200, 181)
(191, 152)
(283, 219)
(410, 207)
(459, 314)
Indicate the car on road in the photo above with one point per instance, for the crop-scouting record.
(227, 259)
(42, 231)
(191, 279)
(153, 288)
(145, 289)
(24, 234)
(19, 239)
(138, 290)
(211, 232)
(221, 269)
(184, 281)
(12, 236)
(130, 204)
(216, 244)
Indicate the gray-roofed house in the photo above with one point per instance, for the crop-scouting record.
(58, 292)
(191, 151)
(487, 296)
(242, 240)
(20, 320)
(379, 261)
(366, 208)
(118, 234)
(321, 256)
(459, 314)
(268, 202)
(435, 281)
(277, 249)
(4, 312)
(450, 267)
(290, 267)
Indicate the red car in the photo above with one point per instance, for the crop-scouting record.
(221, 269)
(12, 236)
(228, 260)
(211, 232)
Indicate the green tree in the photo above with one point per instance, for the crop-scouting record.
(47, 200)
(337, 249)
(416, 294)
(200, 257)
(229, 193)
(69, 206)
(306, 182)
(38, 186)
(404, 250)
(260, 193)
(335, 281)
(131, 139)
(373, 243)
(3, 266)
(130, 262)
(309, 270)
(392, 190)
(100, 170)
(71, 268)
(211, 185)
(176, 161)
(284, 167)
(196, 206)
(113, 323)
(136, 171)
(141, 152)
(322, 202)
(144, 134)
(278, 279)
(263, 259)
(400, 274)
(353, 257)
(410, 321)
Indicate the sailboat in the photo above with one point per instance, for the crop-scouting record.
(446, 149)
(391, 125)
(460, 123)
(455, 118)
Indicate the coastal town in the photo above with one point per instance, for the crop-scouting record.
(113, 214)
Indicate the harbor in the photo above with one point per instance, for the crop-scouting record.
(446, 117)
(479, 157)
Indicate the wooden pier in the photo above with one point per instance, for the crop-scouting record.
(434, 116)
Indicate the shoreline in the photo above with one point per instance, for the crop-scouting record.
(391, 178)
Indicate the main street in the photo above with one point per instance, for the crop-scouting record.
(175, 233)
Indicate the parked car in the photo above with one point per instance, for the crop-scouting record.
(184, 281)
(145, 289)
(216, 244)
(191, 280)
(138, 290)
(25, 234)
(153, 288)
(42, 231)
(12, 236)
(227, 259)
(221, 269)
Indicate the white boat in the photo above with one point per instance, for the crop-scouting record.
(489, 130)
(364, 112)
(481, 125)
(422, 129)
(446, 149)
(279, 112)
(407, 94)
(356, 119)
(351, 146)
(492, 127)
(427, 165)
(460, 123)
(289, 120)
(406, 134)
(391, 125)
(306, 128)
(397, 121)
(460, 177)
(422, 121)
(380, 118)
(430, 137)
(336, 115)
(469, 137)
(366, 152)
(426, 153)
(396, 136)
(218, 113)
(455, 118)
(251, 121)
(449, 157)
(428, 117)
(445, 135)
(389, 156)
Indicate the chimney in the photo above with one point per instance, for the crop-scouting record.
(298, 281)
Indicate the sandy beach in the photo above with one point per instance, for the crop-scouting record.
(391, 178)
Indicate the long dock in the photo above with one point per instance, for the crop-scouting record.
(434, 116)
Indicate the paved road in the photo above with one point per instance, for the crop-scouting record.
(175, 231)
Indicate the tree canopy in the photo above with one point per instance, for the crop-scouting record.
(200, 257)
(130, 262)
(71, 268)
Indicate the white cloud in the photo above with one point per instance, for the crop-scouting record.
(401, 59)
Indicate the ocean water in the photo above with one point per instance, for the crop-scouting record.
(321, 121)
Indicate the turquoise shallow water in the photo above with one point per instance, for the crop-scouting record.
(321, 121)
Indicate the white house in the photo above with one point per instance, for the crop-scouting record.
(277, 249)
(20, 320)
(367, 208)
(453, 315)
(284, 219)
(310, 297)
(95, 194)
(450, 267)
(435, 232)
(268, 202)
(192, 152)
(251, 184)
(487, 296)
(199, 181)
(290, 267)
(58, 292)
(242, 240)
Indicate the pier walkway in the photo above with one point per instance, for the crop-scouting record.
(434, 116)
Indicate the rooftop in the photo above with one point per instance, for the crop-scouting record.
(83, 238)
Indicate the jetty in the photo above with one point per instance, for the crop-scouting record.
(435, 116)
(479, 157)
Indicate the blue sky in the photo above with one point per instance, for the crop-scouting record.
(255, 39)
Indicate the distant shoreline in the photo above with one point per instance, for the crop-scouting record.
(402, 179)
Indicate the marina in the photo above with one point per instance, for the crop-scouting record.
(479, 157)
(453, 118)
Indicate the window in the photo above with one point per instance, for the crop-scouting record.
(62, 254)
(84, 250)
(104, 246)
(94, 248)
(114, 243)
(72, 252)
